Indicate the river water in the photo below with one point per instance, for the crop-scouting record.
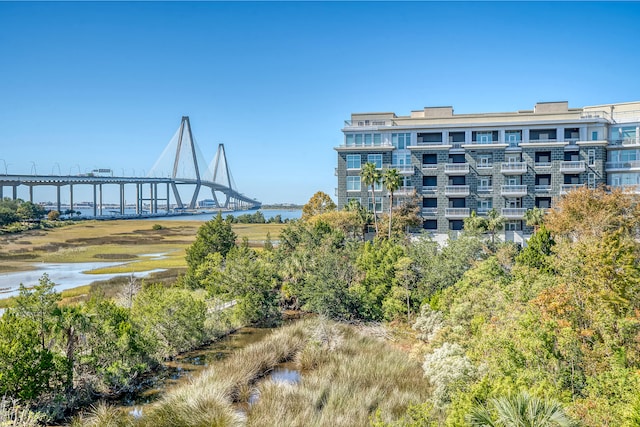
(201, 216)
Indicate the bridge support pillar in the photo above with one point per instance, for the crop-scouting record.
(31, 193)
(15, 192)
(58, 198)
(1, 192)
(95, 204)
(168, 199)
(71, 198)
(100, 191)
(151, 198)
(122, 199)
(138, 201)
(155, 198)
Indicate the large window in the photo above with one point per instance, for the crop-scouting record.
(401, 140)
(353, 183)
(363, 140)
(625, 134)
(378, 204)
(430, 224)
(353, 161)
(376, 159)
(401, 159)
(591, 156)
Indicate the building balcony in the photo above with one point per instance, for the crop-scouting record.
(456, 212)
(625, 166)
(565, 188)
(513, 213)
(429, 189)
(542, 141)
(484, 166)
(383, 146)
(543, 188)
(573, 167)
(513, 168)
(484, 190)
(514, 190)
(403, 169)
(542, 165)
(426, 167)
(404, 191)
(353, 190)
(456, 190)
(367, 123)
(483, 211)
(429, 211)
(625, 141)
(456, 168)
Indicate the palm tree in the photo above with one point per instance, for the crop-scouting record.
(494, 223)
(520, 410)
(534, 217)
(392, 182)
(370, 177)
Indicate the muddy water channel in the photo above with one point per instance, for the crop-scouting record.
(188, 365)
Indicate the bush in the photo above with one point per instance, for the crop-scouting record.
(156, 227)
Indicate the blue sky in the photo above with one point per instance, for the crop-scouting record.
(87, 84)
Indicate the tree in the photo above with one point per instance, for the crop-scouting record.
(319, 203)
(495, 223)
(39, 304)
(520, 410)
(53, 215)
(215, 235)
(363, 216)
(29, 210)
(475, 224)
(392, 181)
(370, 177)
(536, 253)
(534, 217)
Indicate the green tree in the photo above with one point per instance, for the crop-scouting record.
(215, 235)
(536, 253)
(53, 215)
(29, 210)
(370, 177)
(39, 304)
(392, 181)
(520, 410)
(495, 223)
(318, 204)
(534, 218)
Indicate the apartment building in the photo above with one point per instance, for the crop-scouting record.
(460, 163)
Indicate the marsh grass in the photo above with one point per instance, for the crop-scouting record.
(15, 415)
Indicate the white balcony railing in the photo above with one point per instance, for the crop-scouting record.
(483, 211)
(366, 145)
(456, 168)
(429, 166)
(429, 189)
(514, 190)
(484, 189)
(457, 212)
(429, 211)
(573, 166)
(565, 188)
(511, 168)
(542, 165)
(543, 188)
(403, 169)
(404, 191)
(484, 166)
(456, 190)
(513, 213)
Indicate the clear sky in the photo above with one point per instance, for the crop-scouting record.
(104, 84)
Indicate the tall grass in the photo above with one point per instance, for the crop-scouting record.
(15, 415)
(346, 377)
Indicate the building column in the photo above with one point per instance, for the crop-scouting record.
(525, 135)
(560, 134)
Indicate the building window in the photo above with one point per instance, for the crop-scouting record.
(594, 135)
(429, 203)
(591, 156)
(353, 199)
(429, 181)
(377, 186)
(484, 183)
(485, 161)
(485, 205)
(543, 202)
(353, 161)
(363, 140)
(456, 224)
(378, 204)
(400, 140)
(353, 183)
(513, 137)
(485, 137)
(591, 180)
(543, 158)
(429, 159)
(375, 159)
(512, 226)
(430, 224)
(401, 159)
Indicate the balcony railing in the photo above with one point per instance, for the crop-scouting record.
(429, 189)
(429, 166)
(542, 164)
(456, 190)
(543, 188)
(456, 212)
(429, 211)
(422, 142)
(513, 213)
(403, 169)
(634, 164)
(404, 191)
(542, 141)
(366, 145)
(456, 168)
(514, 190)
(573, 166)
(484, 189)
(625, 141)
(484, 166)
(483, 211)
(565, 188)
(513, 168)
(365, 123)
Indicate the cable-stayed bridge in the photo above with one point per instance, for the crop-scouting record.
(173, 184)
